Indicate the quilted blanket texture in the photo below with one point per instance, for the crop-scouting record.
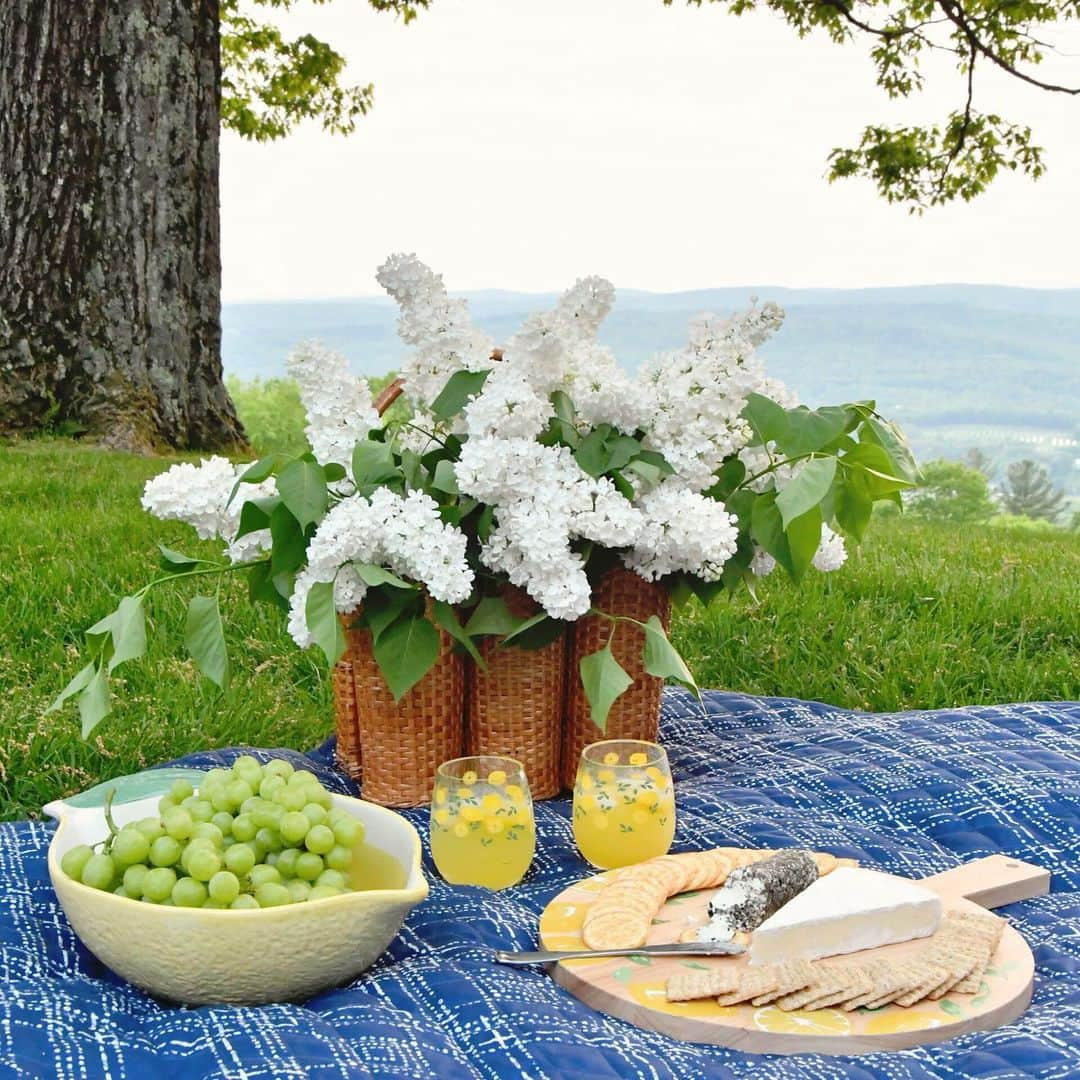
(912, 793)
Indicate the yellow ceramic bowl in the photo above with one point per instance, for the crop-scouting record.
(202, 956)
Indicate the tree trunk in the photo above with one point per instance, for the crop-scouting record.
(110, 260)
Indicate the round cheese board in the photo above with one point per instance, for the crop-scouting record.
(632, 987)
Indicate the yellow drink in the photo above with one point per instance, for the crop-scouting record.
(482, 828)
(624, 803)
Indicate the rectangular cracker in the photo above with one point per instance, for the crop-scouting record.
(692, 985)
(915, 974)
(934, 976)
(888, 978)
(753, 982)
(791, 976)
(857, 981)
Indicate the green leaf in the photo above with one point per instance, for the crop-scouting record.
(491, 616)
(593, 455)
(623, 486)
(384, 604)
(261, 586)
(334, 471)
(649, 473)
(767, 529)
(77, 684)
(405, 652)
(370, 574)
(654, 457)
(302, 486)
(411, 469)
(322, 621)
(445, 479)
(256, 473)
(563, 406)
(853, 505)
(289, 546)
(175, 562)
(662, 659)
(875, 465)
(253, 518)
(455, 395)
(807, 489)
(621, 450)
(728, 477)
(484, 523)
(603, 680)
(804, 538)
(892, 440)
(768, 420)
(94, 703)
(535, 633)
(373, 464)
(810, 430)
(128, 631)
(525, 627)
(205, 639)
(447, 618)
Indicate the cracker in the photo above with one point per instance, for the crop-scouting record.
(971, 982)
(934, 976)
(699, 868)
(887, 979)
(850, 863)
(957, 964)
(826, 863)
(791, 976)
(857, 981)
(616, 931)
(753, 982)
(702, 984)
(913, 975)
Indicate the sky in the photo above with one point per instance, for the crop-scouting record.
(520, 144)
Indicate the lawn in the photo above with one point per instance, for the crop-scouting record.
(921, 617)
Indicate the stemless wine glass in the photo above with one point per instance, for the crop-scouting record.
(482, 829)
(624, 803)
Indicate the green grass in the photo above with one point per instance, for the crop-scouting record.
(921, 617)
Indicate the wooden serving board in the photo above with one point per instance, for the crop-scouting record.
(632, 987)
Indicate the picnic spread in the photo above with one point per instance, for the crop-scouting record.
(778, 798)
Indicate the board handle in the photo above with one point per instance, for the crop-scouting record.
(992, 882)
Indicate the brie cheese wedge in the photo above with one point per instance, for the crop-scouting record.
(846, 911)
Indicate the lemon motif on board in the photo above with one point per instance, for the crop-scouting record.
(653, 995)
(888, 1023)
(801, 1022)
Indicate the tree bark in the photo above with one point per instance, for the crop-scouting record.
(110, 257)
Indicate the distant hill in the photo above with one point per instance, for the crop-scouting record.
(958, 365)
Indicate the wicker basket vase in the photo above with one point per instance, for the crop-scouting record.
(394, 748)
(515, 707)
(636, 714)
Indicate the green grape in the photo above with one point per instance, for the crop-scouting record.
(298, 890)
(332, 877)
(272, 894)
(267, 815)
(246, 768)
(180, 790)
(223, 821)
(158, 884)
(165, 804)
(219, 800)
(315, 814)
(135, 878)
(99, 872)
(207, 830)
(239, 791)
(75, 859)
(322, 892)
(320, 839)
(165, 851)
(290, 799)
(271, 784)
(302, 776)
(260, 851)
(308, 866)
(263, 874)
(348, 831)
(245, 901)
(224, 886)
(188, 892)
(178, 823)
(286, 862)
(294, 827)
(168, 902)
(130, 846)
(215, 905)
(269, 839)
(121, 891)
(317, 794)
(228, 842)
(203, 864)
(150, 827)
(240, 859)
(339, 857)
(248, 805)
(271, 858)
(278, 767)
(199, 809)
(217, 776)
(243, 828)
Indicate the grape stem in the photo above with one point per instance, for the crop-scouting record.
(113, 830)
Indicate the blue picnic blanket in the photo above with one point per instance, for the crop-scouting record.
(912, 792)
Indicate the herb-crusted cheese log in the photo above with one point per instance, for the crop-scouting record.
(752, 893)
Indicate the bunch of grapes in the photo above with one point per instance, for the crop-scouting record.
(253, 836)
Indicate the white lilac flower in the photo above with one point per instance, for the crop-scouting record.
(831, 553)
(507, 407)
(404, 534)
(198, 495)
(440, 327)
(762, 564)
(683, 531)
(338, 403)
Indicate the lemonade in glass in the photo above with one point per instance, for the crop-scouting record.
(482, 829)
(624, 803)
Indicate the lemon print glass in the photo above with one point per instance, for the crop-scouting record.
(482, 830)
(624, 803)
